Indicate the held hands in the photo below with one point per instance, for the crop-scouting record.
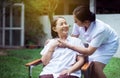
(57, 43)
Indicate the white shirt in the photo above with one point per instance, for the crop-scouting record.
(62, 58)
(99, 35)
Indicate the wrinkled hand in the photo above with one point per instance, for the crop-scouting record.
(65, 72)
(62, 43)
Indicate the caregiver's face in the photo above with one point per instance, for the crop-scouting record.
(78, 22)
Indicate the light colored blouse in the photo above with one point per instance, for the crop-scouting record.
(101, 36)
(62, 58)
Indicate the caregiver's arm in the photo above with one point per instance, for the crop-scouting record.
(75, 36)
(86, 51)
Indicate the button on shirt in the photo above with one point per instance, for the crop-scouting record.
(62, 58)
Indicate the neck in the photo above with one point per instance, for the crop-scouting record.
(63, 37)
(87, 25)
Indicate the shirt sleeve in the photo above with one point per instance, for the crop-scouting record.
(46, 47)
(78, 42)
(98, 39)
(75, 30)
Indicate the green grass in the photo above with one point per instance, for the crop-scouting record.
(112, 69)
(12, 65)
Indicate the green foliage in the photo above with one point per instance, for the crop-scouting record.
(33, 30)
(33, 10)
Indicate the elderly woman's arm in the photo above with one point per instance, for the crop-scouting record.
(48, 55)
(75, 67)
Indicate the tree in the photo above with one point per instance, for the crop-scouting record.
(33, 9)
(41, 7)
(52, 5)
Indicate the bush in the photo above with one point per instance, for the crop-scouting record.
(33, 30)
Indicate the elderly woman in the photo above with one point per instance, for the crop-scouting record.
(61, 62)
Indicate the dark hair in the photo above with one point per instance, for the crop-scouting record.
(83, 13)
(53, 24)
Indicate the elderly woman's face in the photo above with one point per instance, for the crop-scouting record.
(61, 26)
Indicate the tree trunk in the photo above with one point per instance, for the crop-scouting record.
(50, 15)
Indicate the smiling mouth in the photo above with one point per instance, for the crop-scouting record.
(65, 30)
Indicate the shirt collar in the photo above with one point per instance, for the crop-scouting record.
(90, 28)
(68, 38)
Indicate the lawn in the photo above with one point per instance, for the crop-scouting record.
(12, 64)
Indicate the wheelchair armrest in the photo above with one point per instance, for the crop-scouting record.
(33, 63)
(30, 65)
(87, 66)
